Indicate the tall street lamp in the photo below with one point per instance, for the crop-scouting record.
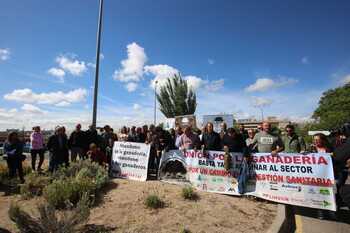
(99, 28)
(155, 102)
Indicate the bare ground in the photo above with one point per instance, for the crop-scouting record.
(123, 210)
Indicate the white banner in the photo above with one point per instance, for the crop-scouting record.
(130, 160)
(207, 172)
(296, 179)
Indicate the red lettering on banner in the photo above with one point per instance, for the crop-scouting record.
(302, 159)
(310, 181)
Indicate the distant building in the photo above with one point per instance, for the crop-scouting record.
(252, 123)
(24, 134)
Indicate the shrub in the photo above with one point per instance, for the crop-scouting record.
(70, 183)
(70, 190)
(154, 202)
(34, 185)
(50, 220)
(4, 172)
(188, 193)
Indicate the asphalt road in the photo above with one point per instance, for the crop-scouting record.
(306, 220)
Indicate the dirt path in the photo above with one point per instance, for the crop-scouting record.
(122, 208)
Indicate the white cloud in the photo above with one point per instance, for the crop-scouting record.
(4, 54)
(4, 113)
(63, 104)
(132, 67)
(215, 85)
(71, 65)
(194, 82)
(136, 107)
(211, 61)
(346, 79)
(305, 60)
(92, 65)
(58, 73)
(51, 98)
(31, 109)
(161, 73)
(131, 87)
(266, 83)
(260, 102)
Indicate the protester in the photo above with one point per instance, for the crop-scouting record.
(106, 136)
(178, 133)
(321, 144)
(37, 147)
(91, 137)
(211, 139)
(266, 141)
(123, 135)
(233, 141)
(96, 155)
(13, 150)
(188, 140)
(58, 146)
(223, 129)
(132, 137)
(77, 143)
(243, 132)
(292, 142)
(249, 141)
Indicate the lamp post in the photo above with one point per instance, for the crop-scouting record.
(155, 103)
(99, 28)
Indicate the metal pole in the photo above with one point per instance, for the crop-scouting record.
(99, 28)
(262, 114)
(155, 102)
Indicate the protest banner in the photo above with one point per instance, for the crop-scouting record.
(206, 171)
(296, 179)
(217, 120)
(130, 160)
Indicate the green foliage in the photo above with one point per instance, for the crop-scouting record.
(188, 193)
(69, 184)
(333, 108)
(154, 202)
(60, 193)
(176, 98)
(50, 220)
(34, 185)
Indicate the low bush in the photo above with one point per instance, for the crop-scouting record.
(70, 183)
(34, 185)
(189, 193)
(50, 220)
(154, 202)
(4, 172)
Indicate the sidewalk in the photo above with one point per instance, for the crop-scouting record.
(306, 221)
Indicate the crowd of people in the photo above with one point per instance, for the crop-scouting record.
(97, 145)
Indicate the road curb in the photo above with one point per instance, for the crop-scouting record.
(283, 222)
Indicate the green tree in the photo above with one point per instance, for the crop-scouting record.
(333, 108)
(176, 98)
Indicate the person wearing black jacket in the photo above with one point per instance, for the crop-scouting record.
(77, 143)
(233, 141)
(58, 146)
(211, 139)
(13, 149)
(91, 136)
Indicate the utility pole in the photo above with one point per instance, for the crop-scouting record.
(99, 28)
(155, 103)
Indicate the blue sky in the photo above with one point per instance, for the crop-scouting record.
(237, 55)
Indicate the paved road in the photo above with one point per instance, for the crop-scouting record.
(306, 220)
